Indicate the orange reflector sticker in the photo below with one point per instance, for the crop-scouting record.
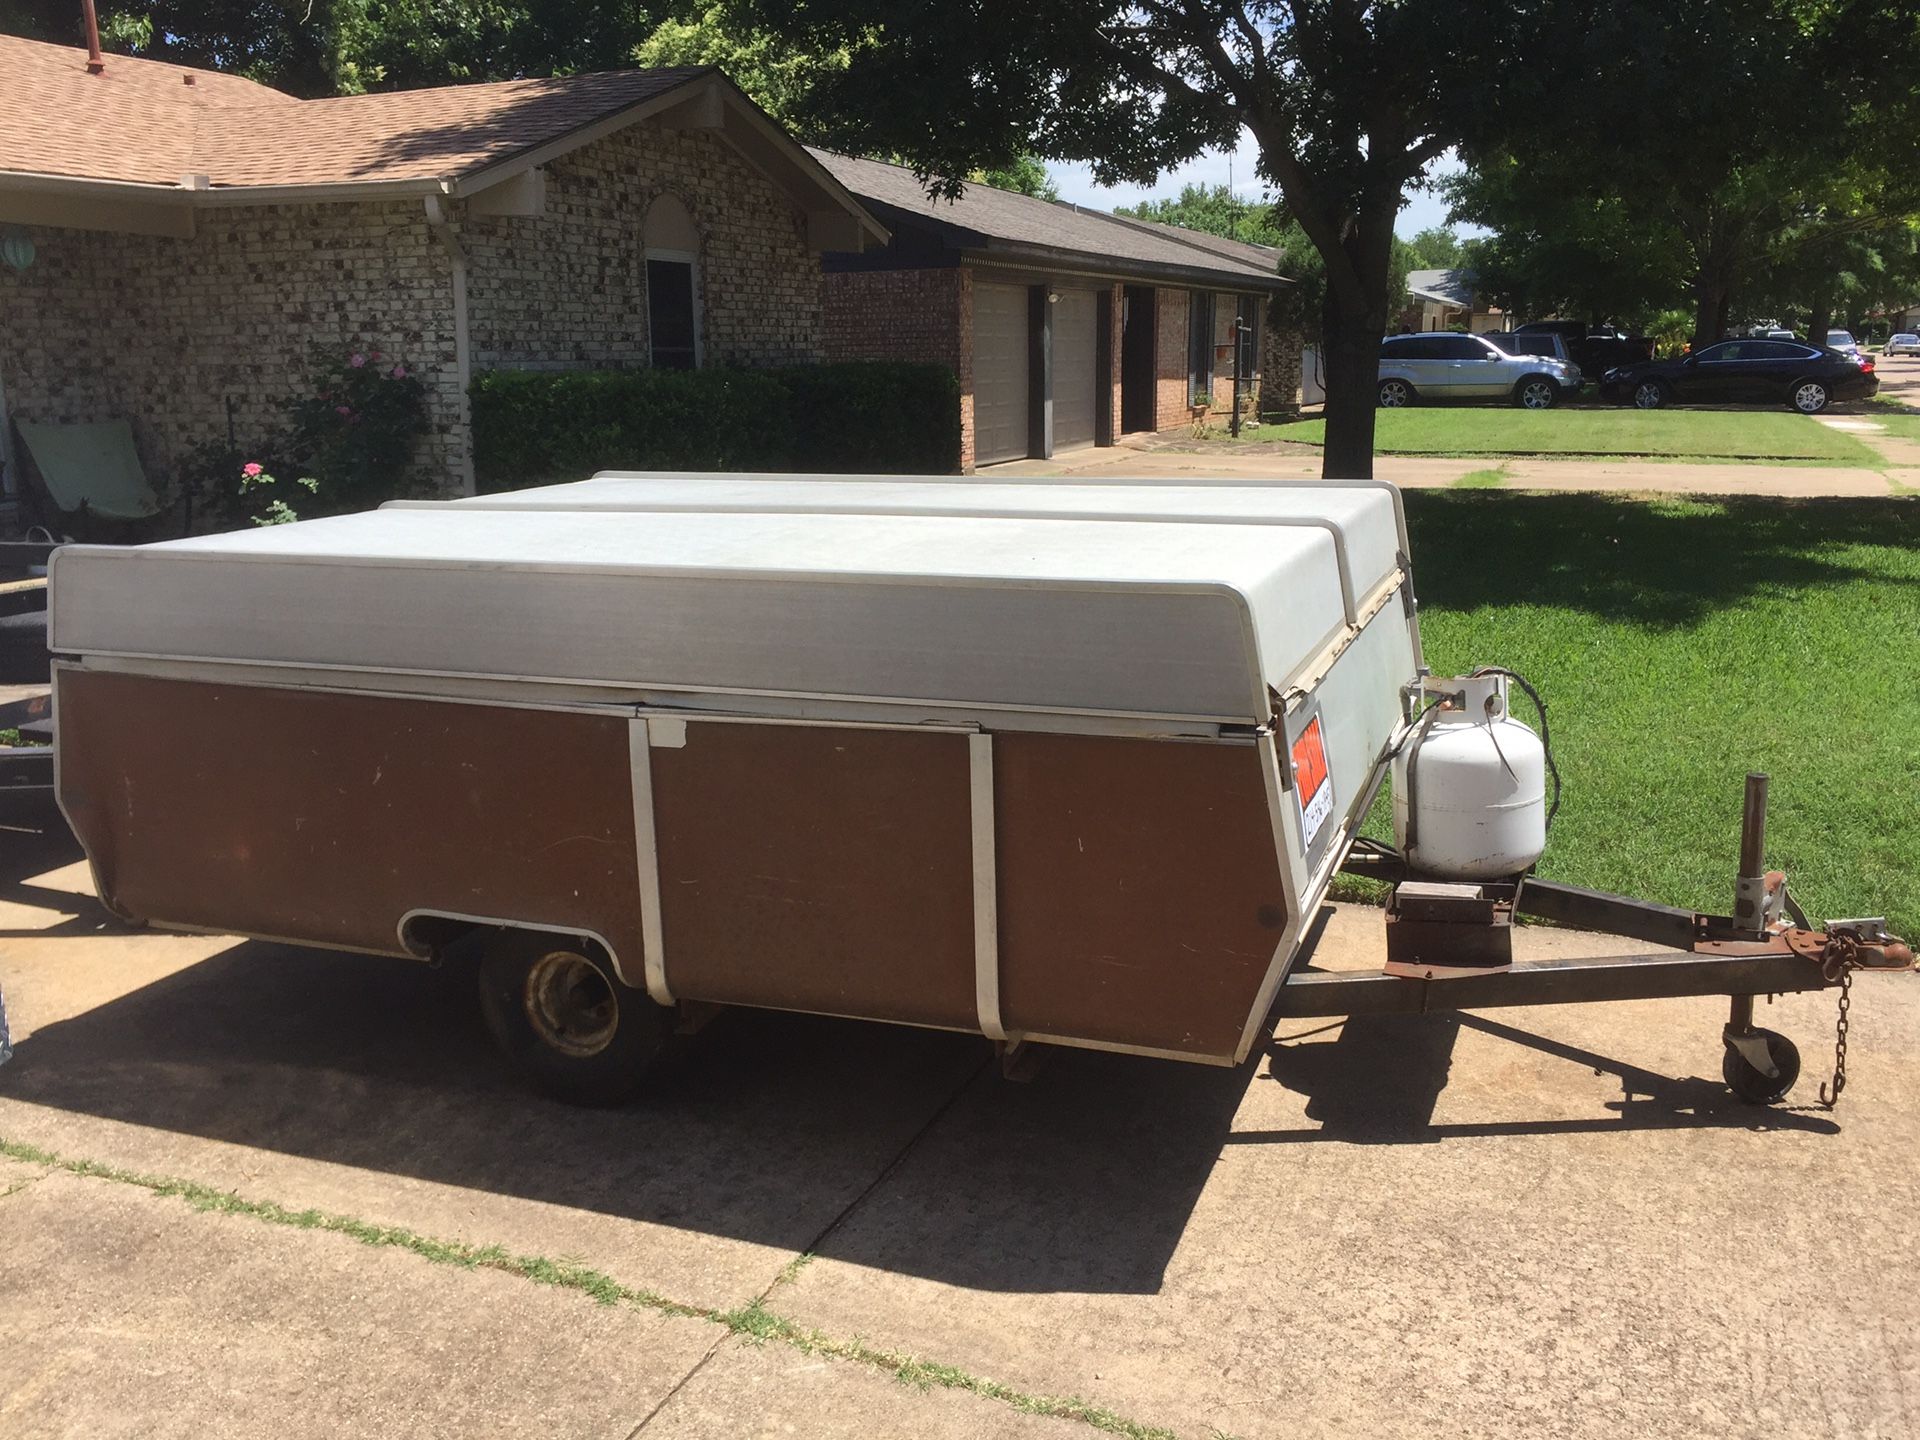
(1312, 785)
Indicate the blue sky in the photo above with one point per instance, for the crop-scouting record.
(1218, 168)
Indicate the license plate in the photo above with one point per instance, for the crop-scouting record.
(1312, 783)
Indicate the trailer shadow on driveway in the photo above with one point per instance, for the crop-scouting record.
(774, 1128)
(1374, 1080)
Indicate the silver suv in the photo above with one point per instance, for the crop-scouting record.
(1452, 366)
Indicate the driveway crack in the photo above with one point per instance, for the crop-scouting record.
(800, 1260)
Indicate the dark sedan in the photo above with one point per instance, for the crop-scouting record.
(1745, 372)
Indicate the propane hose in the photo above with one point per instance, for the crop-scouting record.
(1546, 733)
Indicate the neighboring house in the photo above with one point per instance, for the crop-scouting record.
(1067, 326)
(190, 239)
(1449, 300)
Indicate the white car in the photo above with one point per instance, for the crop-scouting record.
(1903, 345)
(1447, 365)
(1843, 341)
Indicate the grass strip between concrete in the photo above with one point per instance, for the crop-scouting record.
(753, 1322)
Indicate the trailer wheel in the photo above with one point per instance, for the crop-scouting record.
(566, 1021)
(1754, 1085)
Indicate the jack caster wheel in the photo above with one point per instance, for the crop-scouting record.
(566, 1021)
(1750, 1080)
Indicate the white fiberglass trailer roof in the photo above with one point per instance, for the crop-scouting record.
(1363, 516)
(1181, 618)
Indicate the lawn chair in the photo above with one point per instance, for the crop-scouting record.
(92, 472)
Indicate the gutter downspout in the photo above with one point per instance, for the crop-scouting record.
(441, 224)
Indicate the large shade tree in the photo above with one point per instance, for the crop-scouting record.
(329, 47)
(1348, 101)
(1699, 148)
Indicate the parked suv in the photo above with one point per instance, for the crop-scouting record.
(1445, 365)
(1595, 350)
(1537, 343)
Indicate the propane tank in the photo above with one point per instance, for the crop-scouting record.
(1469, 787)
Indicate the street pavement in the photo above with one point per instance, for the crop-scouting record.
(249, 1189)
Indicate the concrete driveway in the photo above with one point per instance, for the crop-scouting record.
(247, 1189)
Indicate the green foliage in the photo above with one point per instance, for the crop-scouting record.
(1440, 248)
(273, 505)
(776, 75)
(357, 429)
(331, 47)
(534, 427)
(1213, 210)
(873, 417)
(1697, 150)
(1027, 175)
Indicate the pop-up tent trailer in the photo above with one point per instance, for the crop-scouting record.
(1052, 762)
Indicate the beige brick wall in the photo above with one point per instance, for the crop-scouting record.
(567, 289)
(167, 332)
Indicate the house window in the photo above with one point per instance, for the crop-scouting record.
(673, 322)
(1199, 343)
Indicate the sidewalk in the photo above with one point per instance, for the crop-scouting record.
(1419, 472)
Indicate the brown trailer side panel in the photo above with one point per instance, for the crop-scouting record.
(326, 817)
(1141, 899)
(820, 868)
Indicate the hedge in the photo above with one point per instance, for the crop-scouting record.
(536, 427)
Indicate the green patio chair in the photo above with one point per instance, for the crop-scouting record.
(92, 471)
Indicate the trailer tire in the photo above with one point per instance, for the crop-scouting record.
(1752, 1085)
(570, 1026)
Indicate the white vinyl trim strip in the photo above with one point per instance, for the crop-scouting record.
(652, 934)
(986, 890)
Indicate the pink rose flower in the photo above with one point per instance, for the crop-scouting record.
(356, 360)
(399, 372)
(344, 411)
(251, 468)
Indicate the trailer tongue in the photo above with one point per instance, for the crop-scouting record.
(1052, 762)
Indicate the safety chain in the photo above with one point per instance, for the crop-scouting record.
(1840, 1037)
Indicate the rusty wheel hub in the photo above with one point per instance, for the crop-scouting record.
(570, 1005)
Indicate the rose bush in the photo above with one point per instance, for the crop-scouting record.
(356, 431)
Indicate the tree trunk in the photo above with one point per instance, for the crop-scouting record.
(1711, 298)
(1352, 348)
(1821, 320)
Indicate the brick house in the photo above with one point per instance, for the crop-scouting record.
(179, 242)
(1067, 326)
(1450, 300)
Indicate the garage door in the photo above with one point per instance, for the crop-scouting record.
(999, 373)
(1074, 318)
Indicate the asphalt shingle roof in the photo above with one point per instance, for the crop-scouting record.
(1026, 221)
(1450, 287)
(139, 120)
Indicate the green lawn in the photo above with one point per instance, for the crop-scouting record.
(1708, 435)
(1681, 643)
(1904, 423)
